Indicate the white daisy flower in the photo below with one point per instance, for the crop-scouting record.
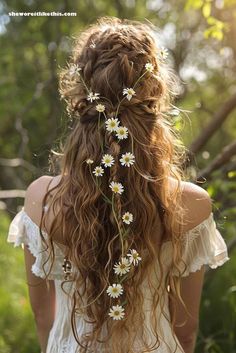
(115, 290)
(122, 132)
(74, 69)
(122, 267)
(98, 171)
(108, 160)
(92, 96)
(127, 159)
(127, 217)
(93, 45)
(116, 312)
(163, 53)
(100, 108)
(149, 67)
(89, 161)
(117, 188)
(112, 124)
(129, 93)
(134, 257)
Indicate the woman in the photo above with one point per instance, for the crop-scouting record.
(115, 244)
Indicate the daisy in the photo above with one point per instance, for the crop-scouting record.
(98, 171)
(163, 53)
(89, 161)
(127, 159)
(117, 188)
(122, 267)
(134, 257)
(112, 124)
(92, 96)
(127, 217)
(117, 312)
(74, 69)
(115, 290)
(122, 132)
(108, 160)
(93, 45)
(129, 93)
(149, 67)
(100, 108)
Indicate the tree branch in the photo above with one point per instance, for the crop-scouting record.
(9, 194)
(17, 162)
(222, 158)
(217, 120)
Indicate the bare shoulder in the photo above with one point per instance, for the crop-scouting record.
(197, 203)
(35, 193)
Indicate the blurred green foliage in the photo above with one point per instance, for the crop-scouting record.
(17, 328)
(202, 47)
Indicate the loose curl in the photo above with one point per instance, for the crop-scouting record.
(112, 54)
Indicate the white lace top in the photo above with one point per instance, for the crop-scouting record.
(204, 245)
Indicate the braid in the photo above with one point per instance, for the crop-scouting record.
(114, 149)
(107, 174)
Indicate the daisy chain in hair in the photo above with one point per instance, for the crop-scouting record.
(127, 159)
(149, 67)
(122, 132)
(134, 257)
(112, 124)
(98, 171)
(74, 69)
(122, 267)
(163, 53)
(89, 161)
(115, 290)
(117, 188)
(100, 108)
(124, 264)
(108, 160)
(127, 217)
(117, 312)
(129, 93)
(92, 96)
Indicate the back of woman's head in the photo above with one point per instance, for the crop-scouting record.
(116, 167)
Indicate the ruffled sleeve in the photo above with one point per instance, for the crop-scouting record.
(23, 230)
(204, 245)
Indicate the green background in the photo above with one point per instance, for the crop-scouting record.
(201, 39)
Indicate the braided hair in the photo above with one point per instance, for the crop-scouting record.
(117, 208)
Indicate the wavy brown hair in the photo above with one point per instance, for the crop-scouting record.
(112, 55)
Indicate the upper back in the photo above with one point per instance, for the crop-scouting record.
(195, 200)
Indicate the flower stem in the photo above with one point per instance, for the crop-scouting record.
(139, 79)
(121, 237)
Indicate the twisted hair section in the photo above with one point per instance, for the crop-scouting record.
(110, 57)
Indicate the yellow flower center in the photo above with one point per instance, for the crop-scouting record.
(127, 159)
(114, 290)
(115, 188)
(122, 266)
(116, 313)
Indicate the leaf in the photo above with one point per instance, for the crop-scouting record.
(217, 34)
(232, 174)
(206, 10)
(193, 4)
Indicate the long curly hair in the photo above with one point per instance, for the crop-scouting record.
(111, 56)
